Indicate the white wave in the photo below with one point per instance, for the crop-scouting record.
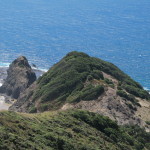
(40, 69)
(43, 70)
(1, 84)
(147, 89)
(7, 65)
(4, 64)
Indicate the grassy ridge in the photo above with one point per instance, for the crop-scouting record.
(68, 130)
(65, 82)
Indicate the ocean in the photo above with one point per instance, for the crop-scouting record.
(44, 31)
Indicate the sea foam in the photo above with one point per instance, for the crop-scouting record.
(4, 64)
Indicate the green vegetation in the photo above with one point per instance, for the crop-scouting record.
(88, 93)
(129, 97)
(148, 122)
(68, 130)
(21, 65)
(77, 77)
(109, 82)
(67, 81)
(137, 92)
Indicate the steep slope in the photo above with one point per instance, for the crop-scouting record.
(81, 81)
(20, 76)
(68, 130)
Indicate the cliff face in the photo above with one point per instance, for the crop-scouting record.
(84, 82)
(19, 77)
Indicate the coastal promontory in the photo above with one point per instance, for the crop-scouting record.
(79, 81)
(19, 77)
(81, 103)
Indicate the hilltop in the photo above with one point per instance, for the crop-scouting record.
(84, 82)
(81, 103)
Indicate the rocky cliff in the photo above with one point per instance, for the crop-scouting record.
(19, 77)
(84, 82)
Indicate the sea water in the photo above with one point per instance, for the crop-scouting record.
(44, 31)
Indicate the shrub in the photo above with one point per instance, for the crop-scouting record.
(33, 109)
(97, 74)
(148, 122)
(122, 93)
(68, 130)
(90, 77)
(88, 93)
(137, 92)
(128, 97)
(108, 81)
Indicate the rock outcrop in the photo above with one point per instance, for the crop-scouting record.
(19, 77)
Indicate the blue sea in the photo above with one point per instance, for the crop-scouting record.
(44, 31)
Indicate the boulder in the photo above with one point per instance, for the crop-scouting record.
(19, 77)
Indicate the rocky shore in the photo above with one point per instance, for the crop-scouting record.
(7, 101)
(3, 104)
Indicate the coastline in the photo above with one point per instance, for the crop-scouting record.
(6, 101)
(147, 89)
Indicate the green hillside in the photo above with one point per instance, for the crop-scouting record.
(68, 130)
(70, 80)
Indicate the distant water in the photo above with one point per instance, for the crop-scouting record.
(44, 31)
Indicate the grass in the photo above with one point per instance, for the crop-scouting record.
(68, 130)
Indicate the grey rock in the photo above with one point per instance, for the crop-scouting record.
(19, 77)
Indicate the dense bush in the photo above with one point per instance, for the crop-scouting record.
(122, 93)
(129, 97)
(33, 109)
(66, 80)
(137, 92)
(97, 74)
(68, 130)
(90, 93)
